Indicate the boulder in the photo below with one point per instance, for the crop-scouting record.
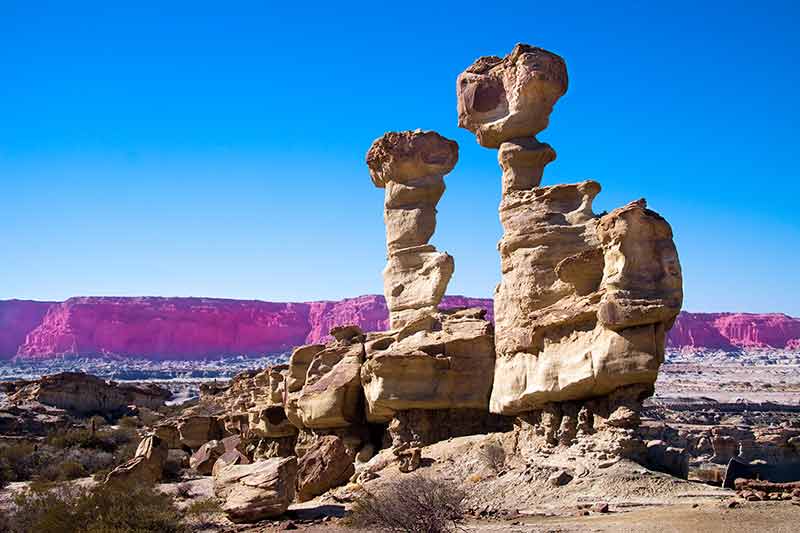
(196, 430)
(298, 365)
(230, 457)
(203, 460)
(256, 491)
(328, 465)
(510, 97)
(147, 465)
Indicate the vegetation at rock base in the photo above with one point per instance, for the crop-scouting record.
(103, 509)
(412, 504)
(67, 455)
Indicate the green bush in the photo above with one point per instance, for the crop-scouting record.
(103, 509)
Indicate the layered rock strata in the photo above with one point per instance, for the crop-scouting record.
(585, 300)
(410, 166)
(444, 361)
(86, 394)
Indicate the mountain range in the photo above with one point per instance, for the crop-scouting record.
(161, 328)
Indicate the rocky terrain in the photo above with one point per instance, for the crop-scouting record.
(198, 328)
(435, 415)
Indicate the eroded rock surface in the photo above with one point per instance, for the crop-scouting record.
(146, 466)
(410, 166)
(256, 491)
(86, 394)
(444, 361)
(585, 300)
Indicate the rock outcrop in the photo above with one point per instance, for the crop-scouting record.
(86, 394)
(445, 361)
(734, 331)
(585, 301)
(410, 166)
(17, 319)
(256, 491)
(172, 336)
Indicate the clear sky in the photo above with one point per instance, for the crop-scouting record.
(217, 148)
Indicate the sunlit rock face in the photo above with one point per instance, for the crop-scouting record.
(410, 166)
(585, 300)
(500, 99)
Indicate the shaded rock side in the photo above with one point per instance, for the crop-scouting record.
(256, 491)
(331, 395)
(328, 465)
(146, 466)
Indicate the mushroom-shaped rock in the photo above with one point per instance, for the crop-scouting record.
(410, 166)
(585, 300)
(500, 99)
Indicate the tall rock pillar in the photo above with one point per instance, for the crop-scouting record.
(410, 166)
(584, 300)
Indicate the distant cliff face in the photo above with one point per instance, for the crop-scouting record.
(195, 328)
(166, 328)
(17, 319)
(727, 331)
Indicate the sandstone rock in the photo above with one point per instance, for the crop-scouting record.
(147, 465)
(673, 461)
(448, 364)
(196, 430)
(205, 457)
(230, 457)
(328, 465)
(353, 438)
(331, 396)
(298, 365)
(86, 394)
(585, 301)
(422, 427)
(256, 491)
(510, 98)
(270, 421)
(410, 458)
(410, 166)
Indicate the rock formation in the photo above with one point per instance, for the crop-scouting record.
(585, 301)
(86, 394)
(179, 329)
(147, 465)
(410, 166)
(443, 362)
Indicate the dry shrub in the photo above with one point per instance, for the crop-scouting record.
(494, 456)
(411, 504)
(103, 509)
(201, 512)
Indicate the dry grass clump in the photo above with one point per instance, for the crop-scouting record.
(104, 509)
(411, 504)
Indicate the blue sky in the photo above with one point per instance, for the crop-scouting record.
(217, 149)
